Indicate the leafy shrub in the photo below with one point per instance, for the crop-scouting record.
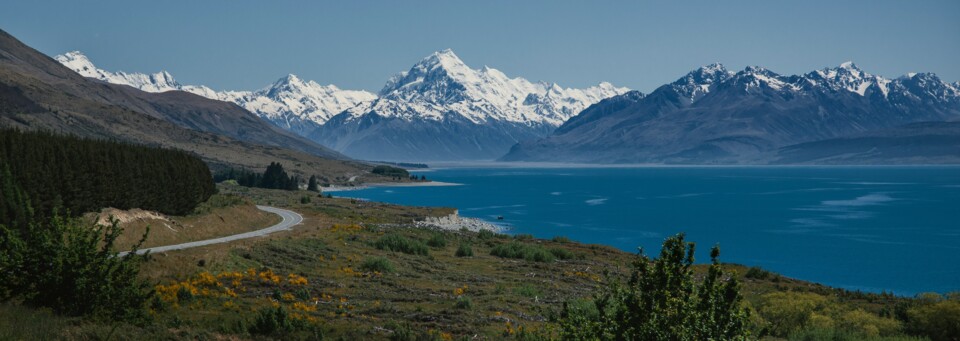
(561, 253)
(71, 267)
(523, 237)
(305, 199)
(561, 239)
(464, 250)
(485, 234)
(437, 241)
(397, 243)
(936, 320)
(271, 321)
(377, 264)
(527, 290)
(661, 301)
(517, 250)
(755, 272)
(464, 302)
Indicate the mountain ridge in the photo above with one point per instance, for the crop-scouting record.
(713, 116)
(441, 109)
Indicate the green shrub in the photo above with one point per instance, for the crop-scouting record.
(523, 237)
(527, 290)
(72, 267)
(464, 302)
(561, 253)
(377, 264)
(517, 250)
(305, 199)
(437, 241)
(755, 272)
(271, 321)
(661, 301)
(464, 250)
(485, 234)
(936, 320)
(397, 243)
(561, 239)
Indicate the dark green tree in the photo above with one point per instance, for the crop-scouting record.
(662, 301)
(312, 184)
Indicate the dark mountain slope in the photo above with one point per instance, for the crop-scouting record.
(916, 143)
(36, 93)
(21, 62)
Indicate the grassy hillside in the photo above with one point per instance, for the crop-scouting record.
(358, 270)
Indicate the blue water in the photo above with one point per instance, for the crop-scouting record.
(861, 228)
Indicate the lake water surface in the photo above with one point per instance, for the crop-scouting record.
(861, 228)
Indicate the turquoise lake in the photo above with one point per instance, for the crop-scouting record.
(860, 228)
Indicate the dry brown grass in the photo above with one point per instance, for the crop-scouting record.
(168, 230)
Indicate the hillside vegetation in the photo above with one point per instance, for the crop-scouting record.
(359, 270)
(77, 175)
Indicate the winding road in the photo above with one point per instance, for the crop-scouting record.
(290, 218)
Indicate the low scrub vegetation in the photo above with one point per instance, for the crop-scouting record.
(518, 250)
(398, 243)
(377, 264)
(464, 250)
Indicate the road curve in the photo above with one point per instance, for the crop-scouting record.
(290, 218)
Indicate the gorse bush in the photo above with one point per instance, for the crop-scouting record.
(518, 250)
(661, 301)
(398, 243)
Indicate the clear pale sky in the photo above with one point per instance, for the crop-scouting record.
(356, 44)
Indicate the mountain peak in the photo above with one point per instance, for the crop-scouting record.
(697, 83)
(78, 62)
(849, 65)
(444, 59)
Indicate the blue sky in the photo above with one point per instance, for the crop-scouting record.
(358, 44)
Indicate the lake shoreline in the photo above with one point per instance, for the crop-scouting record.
(333, 189)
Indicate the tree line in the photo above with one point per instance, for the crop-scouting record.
(274, 177)
(50, 257)
(42, 171)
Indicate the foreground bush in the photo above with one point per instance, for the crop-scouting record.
(661, 301)
(72, 268)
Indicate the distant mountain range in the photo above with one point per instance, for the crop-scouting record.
(289, 103)
(38, 93)
(839, 115)
(439, 110)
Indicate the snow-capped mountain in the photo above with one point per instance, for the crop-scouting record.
(157, 82)
(290, 103)
(712, 115)
(441, 109)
